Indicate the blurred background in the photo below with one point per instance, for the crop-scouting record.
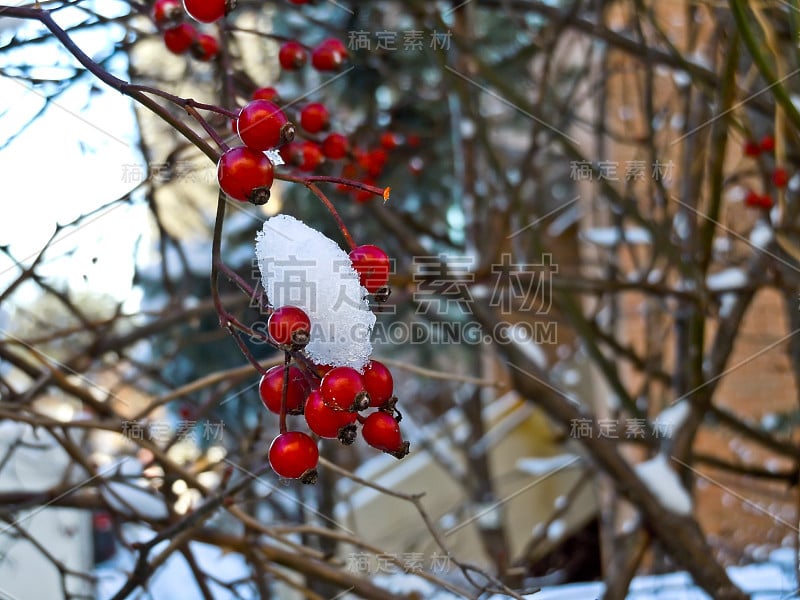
(591, 328)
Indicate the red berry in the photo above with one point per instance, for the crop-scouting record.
(752, 199)
(314, 117)
(335, 146)
(305, 155)
(245, 175)
(342, 388)
(751, 148)
(263, 125)
(322, 369)
(205, 11)
(756, 200)
(414, 140)
(167, 11)
(381, 431)
(379, 383)
(292, 56)
(374, 161)
(294, 455)
(372, 266)
(289, 326)
(205, 47)
(323, 420)
(390, 141)
(179, 39)
(266, 93)
(270, 388)
(312, 156)
(780, 177)
(767, 143)
(329, 55)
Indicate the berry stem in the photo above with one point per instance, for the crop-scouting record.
(192, 111)
(287, 359)
(271, 36)
(183, 102)
(378, 191)
(226, 320)
(239, 281)
(309, 183)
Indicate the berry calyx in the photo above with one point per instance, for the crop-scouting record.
(323, 420)
(166, 12)
(270, 388)
(263, 125)
(342, 388)
(767, 143)
(294, 455)
(329, 55)
(780, 177)
(206, 11)
(381, 431)
(289, 326)
(245, 174)
(379, 383)
(179, 39)
(372, 265)
(205, 47)
(335, 146)
(292, 56)
(314, 117)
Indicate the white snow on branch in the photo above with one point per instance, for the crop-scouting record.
(548, 464)
(663, 482)
(301, 267)
(132, 500)
(610, 236)
(673, 417)
(727, 279)
(761, 235)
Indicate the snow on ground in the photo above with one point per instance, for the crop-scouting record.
(772, 580)
(174, 579)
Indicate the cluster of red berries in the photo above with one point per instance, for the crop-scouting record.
(245, 173)
(180, 37)
(331, 399)
(367, 164)
(779, 175)
(328, 55)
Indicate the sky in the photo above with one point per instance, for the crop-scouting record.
(69, 161)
